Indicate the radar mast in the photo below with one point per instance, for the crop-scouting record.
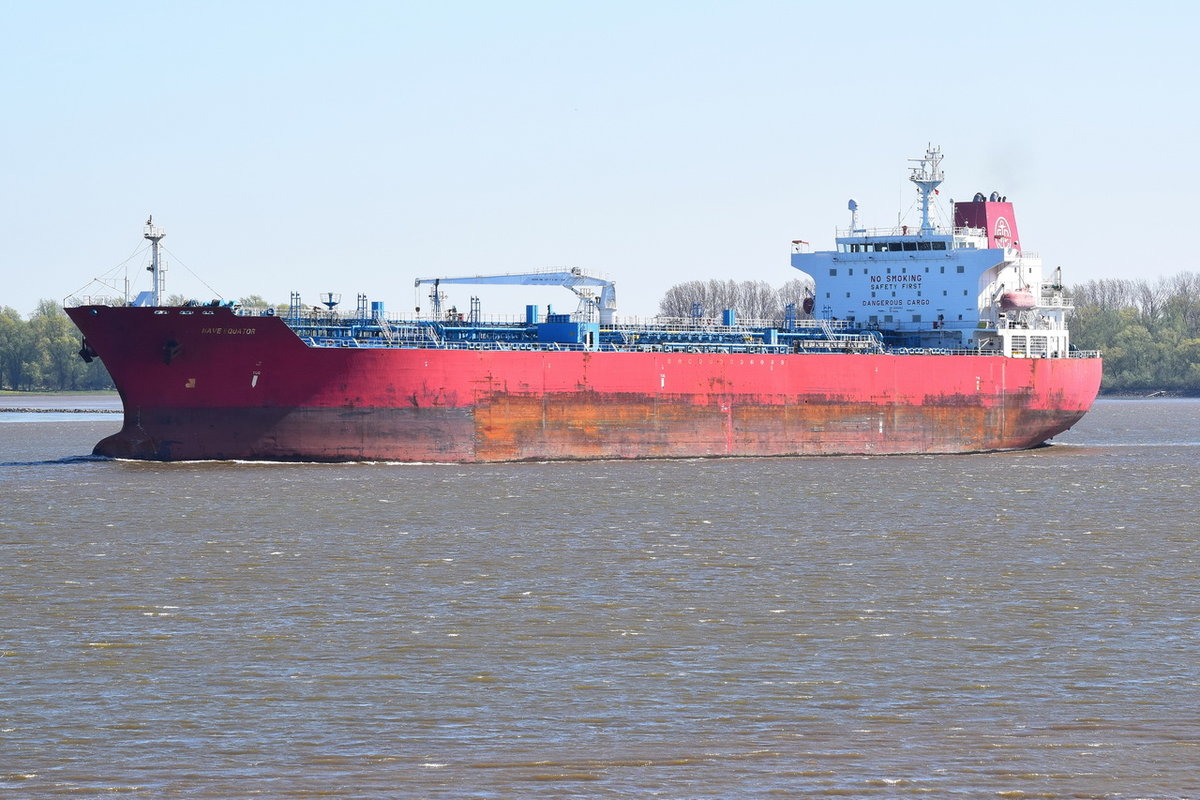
(155, 233)
(927, 175)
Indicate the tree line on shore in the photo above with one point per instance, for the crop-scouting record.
(1148, 331)
(41, 353)
(752, 300)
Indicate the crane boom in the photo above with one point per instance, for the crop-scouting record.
(573, 278)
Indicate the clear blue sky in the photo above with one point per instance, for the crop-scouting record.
(318, 146)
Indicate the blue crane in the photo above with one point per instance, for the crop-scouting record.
(573, 278)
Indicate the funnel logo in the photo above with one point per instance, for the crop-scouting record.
(1002, 232)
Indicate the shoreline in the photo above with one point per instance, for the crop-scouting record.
(63, 393)
(1159, 394)
(60, 403)
(32, 410)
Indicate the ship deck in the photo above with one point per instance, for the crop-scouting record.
(770, 337)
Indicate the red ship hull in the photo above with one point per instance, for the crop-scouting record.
(207, 384)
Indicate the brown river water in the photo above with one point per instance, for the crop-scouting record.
(1010, 625)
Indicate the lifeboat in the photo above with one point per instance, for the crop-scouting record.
(1017, 301)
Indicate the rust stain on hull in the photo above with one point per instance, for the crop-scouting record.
(580, 426)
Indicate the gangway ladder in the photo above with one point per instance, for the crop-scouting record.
(389, 335)
(431, 332)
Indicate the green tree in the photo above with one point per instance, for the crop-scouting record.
(1148, 331)
(56, 341)
(42, 353)
(15, 349)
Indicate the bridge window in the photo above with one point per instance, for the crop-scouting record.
(939, 245)
(910, 245)
(924, 246)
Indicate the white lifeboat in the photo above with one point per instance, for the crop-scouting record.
(1017, 301)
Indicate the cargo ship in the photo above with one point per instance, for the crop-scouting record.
(929, 338)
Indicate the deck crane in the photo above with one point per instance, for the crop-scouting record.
(573, 278)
